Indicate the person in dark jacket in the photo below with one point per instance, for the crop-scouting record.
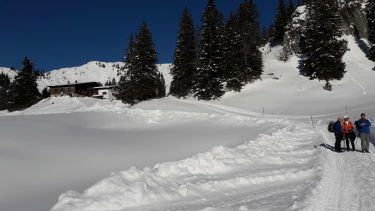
(339, 135)
(363, 126)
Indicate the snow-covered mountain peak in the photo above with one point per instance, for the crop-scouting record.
(92, 71)
(8, 71)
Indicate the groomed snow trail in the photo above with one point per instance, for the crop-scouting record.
(347, 182)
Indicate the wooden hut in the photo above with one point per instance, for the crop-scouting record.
(85, 89)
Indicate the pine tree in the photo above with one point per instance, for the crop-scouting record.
(234, 64)
(113, 83)
(290, 10)
(125, 91)
(184, 65)
(320, 42)
(264, 34)
(140, 80)
(45, 93)
(161, 85)
(299, 3)
(4, 86)
(281, 20)
(208, 79)
(23, 92)
(371, 28)
(248, 26)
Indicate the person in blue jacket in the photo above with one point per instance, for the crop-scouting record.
(339, 135)
(363, 127)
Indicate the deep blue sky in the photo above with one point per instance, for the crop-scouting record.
(65, 33)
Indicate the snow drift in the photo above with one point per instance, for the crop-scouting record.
(262, 160)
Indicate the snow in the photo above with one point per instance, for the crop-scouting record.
(91, 72)
(261, 167)
(183, 154)
(73, 142)
(11, 73)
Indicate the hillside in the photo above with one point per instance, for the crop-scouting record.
(11, 73)
(92, 71)
(283, 91)
(196, 155)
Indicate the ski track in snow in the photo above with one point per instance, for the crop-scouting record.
(341, 188)
(339, 191)
(347, 181)
(358, 83)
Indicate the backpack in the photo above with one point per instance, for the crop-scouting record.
(331, 127)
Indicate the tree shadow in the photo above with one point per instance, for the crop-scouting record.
(361, 44)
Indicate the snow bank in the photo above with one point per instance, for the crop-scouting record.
(203, 173)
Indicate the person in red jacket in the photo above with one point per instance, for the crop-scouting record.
(349, 134)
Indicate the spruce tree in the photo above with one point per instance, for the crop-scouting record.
(299, 3)
(161, 88)
(113, 83)
(4, 86)
(320, 42)
(248, 26)
(45, 93)
(291, 10)
(208, 79)
(23, 92)
(281, 20)
(234, 64)
(184, 65)
(125, 91)
(140, 80)
(371, 28)
(264, 34)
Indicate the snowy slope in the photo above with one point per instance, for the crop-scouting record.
(283, 91)
(295, 94)
(92, 71)
(175, 154)
(11, 73)
(279, 170)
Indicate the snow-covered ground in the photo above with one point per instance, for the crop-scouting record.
(172, 154)
(64, 143)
